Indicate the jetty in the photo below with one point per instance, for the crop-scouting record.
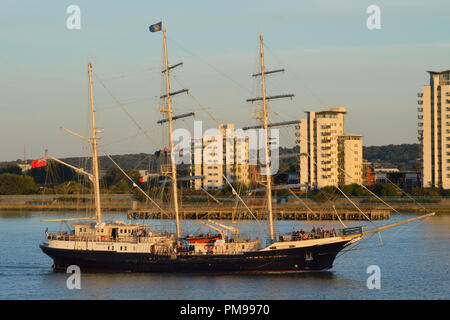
(260, 213)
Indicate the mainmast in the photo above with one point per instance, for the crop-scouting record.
(93, 143)
(266, 137)
(265, 126)
(168, 110)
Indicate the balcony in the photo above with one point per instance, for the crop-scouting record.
(420, 131)
(420, 124)
(420, 95)
(420, 101)
(420, 116)
(420, 109)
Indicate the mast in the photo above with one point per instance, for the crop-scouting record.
(266, 143)
(93, 143)
(265, 126)
(172, 159)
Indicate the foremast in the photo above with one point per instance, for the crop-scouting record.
(93, 144)
(94, 176)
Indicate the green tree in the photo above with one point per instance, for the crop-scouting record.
(354, 190)
(17, 184)
(384, 190)
(70, 187)
(121, 187)
(52, 174)
(114, 177)
(11, 168)
(325, 193)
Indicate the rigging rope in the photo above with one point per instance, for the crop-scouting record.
(126, 112)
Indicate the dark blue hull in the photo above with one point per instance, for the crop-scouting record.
(314, 258)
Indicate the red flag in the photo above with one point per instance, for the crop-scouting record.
(39, 163)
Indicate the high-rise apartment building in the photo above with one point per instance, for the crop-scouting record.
(217, 155)
(328, 155)
(434, 130)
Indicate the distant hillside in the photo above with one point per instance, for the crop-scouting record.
(402, 156)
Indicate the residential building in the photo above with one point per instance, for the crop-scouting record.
(350, 159)
(368, 173)
(217, 155)
(328, 155)
(402, 179)
(434, 130)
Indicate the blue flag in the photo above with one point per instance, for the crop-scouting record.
(155, 27)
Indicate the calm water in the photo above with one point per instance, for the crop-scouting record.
(414, 264)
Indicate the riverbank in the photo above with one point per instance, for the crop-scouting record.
(283, 207)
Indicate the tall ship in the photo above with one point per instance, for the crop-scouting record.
(118, 246)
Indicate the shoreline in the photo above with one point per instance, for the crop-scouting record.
(197, 211)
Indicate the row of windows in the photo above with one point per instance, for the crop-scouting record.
(121, 248)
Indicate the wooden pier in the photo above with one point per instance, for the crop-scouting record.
(289, 213)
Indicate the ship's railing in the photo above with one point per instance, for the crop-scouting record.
(65, 236)
(309, 235)
(318, 233)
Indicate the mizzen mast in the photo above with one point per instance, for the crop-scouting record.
(263, 118)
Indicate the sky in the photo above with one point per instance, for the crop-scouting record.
(330, 56)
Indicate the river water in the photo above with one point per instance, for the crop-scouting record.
(414, 264)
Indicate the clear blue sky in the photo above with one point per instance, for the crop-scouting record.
(331, 59)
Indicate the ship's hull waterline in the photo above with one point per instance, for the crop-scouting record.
(312, 258)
